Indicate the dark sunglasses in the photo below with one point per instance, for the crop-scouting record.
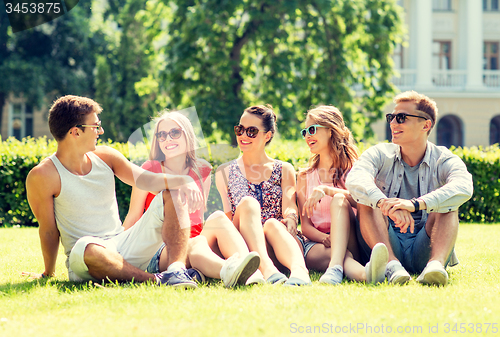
(400, 117)
(311, 130)
(252, 131)
(174, 133)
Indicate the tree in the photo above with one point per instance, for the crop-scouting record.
(49, 60)
(223, 56)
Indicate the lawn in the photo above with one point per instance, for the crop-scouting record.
(56, 307)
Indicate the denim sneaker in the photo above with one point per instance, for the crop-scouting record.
(177, 279)
(196, 275)
(333, 275)
(433, 274)
(375, 268)
(397, 274)
(237, 270)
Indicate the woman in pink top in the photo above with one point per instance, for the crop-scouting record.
(173, 152)
(328, 216)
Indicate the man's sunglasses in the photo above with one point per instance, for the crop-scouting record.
(251, 131)
(400, 117)
(311, 130)
(174, 133)
(97, 126)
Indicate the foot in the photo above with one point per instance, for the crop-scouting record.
(237, 270)
(333, 275)
(255, 278)
(434, 274)
(277, 278)
(396, 274)
(178, 279)
(196, 275)
(375, 268)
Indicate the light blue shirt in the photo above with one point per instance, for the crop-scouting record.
(445, 183)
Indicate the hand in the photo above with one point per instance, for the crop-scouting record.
(33, 276)
(392, 204)
(191, 194)
(312, 201)
(326, 242)
(290, 225)
(402, 219)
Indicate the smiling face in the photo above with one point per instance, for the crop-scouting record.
(172, 147)
(252, 144)
(90, 134)
(319, 142)
(413, 130)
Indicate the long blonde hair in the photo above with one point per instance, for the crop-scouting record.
(342, 148)
(192, 161)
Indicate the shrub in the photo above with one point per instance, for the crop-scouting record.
(17, 158)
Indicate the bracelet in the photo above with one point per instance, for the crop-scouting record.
(294, 217)
(415, 204)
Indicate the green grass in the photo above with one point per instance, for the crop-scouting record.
(60, 308)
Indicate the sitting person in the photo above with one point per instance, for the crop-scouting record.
(328, 211)
(72, 195)
(173, 152)
(408, 194)
(258, 195)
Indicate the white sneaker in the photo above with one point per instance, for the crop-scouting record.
(237, 270)
(375, 268)
(433, 274)
(255, 278)
(397, 274)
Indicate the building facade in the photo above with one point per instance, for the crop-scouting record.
(452, 55)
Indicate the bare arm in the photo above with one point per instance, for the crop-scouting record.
(136, 207)
(309, 231)
(289, 203)
(42, 184)
(221, 183)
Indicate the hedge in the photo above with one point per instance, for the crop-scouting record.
(17, 158)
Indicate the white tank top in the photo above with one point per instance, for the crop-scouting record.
(86, 205)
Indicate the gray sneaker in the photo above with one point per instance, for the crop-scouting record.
(396, 274)
(375, 268)
(433, 274)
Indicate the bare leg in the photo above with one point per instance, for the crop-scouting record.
(353, 269)
(203, 258)
(286, 248)
(247, 221)
(222, 236)
(373, 225)
(339, 228)
(442, 228)
(318, 257)
(105, 264)
(176, 229)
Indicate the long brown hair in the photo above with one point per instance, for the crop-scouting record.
(342, 148)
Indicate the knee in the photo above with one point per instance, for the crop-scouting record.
(249, 204)
(216, 215)
(197, 241)
(339, 200)
(273, 227)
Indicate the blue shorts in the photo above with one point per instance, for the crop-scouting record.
(306, 244)
(413, 250)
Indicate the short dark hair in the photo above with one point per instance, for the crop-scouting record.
(69, 111)
(267, 115)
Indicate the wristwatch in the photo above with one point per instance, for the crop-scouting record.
(415, 204)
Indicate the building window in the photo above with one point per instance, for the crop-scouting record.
(397, 56)
(20, 120)
(490, 5)
(495, 130)
(441, 5)
(449, 131)
(441, 55)
(491, 56)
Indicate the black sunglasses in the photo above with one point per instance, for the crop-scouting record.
(252, 131)
(311, 130)
(174, 133)
(400, 117)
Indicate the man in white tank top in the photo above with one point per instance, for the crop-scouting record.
(72, 195)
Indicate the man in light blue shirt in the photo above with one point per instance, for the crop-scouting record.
(408, 194)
